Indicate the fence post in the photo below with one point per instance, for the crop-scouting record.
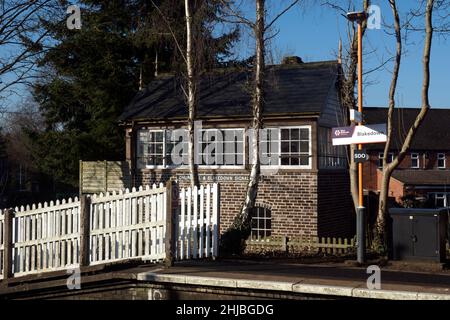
(84, 230)
(284, 244)
(8, 244)
(169, 243)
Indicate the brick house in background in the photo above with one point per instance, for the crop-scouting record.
(423, 177)
(307, 190)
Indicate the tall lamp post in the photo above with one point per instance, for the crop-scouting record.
(360, 17)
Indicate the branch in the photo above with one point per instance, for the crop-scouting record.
(394, 80)
(425, 87)
(293, 3)
(171, 31)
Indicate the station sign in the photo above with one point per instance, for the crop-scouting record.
(374, 133)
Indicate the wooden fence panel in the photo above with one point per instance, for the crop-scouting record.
(310, 245)
(120, 229)
(45, 237)
(104, 176)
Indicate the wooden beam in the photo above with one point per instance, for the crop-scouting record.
(170, 234)
(84, 230)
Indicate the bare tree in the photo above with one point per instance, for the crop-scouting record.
(241, 224)
(191, 94)
(193, 56)
(22, 40)
(388, 168)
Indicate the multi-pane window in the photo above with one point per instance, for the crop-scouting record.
(286, 146)
(261, 223)
(441, 160)
(415, 161)
(222, 147)
(390, 158)
(151, 148)
(330, 156)
(169, 148)
(294, 147)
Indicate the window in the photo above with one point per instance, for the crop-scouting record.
(441, 160)
(261, 222)
(169, 148)
(440, 200)
(222, 147)
(330, 156)
(151, 148)
(389, 159)
(415, 162)
(286, 147)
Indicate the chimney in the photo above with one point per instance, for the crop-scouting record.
(292, 60)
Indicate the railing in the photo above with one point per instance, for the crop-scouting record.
(110, 227)
(198, 223)
(303, 245)
(128, 225)
(46, 238)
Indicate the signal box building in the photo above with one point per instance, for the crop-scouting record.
(304, 190)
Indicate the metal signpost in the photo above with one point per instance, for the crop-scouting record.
(358, 135)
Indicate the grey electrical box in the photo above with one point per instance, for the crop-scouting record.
(419, 233)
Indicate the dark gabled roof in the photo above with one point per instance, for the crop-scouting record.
(290, 89)
(433, 134)
(423, 177)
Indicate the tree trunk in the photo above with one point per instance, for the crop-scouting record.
(257, 109)
(191, 95)
(380, 228)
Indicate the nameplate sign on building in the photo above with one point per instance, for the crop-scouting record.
(374, 133)
(216, 177)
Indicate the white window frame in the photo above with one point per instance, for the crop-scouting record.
(299, 166)
(441, 196)
(163, 166)
(415, 156)
(380, 157)
(255, 232)
(224, 166)
(441, 156)
(185, 166)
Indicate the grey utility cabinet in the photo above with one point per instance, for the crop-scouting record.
(419, 233)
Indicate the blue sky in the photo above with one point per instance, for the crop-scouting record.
(312, 32)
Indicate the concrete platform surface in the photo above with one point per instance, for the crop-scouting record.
(330, 280)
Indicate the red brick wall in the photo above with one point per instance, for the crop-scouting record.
(291, 196)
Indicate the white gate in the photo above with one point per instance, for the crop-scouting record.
(198, 223)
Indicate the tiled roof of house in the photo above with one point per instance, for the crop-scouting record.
(433, 134)
(290, 89)
(423, 177)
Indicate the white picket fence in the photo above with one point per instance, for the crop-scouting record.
(128, 225)
(46, 237)
(2, 217)
(123, 225)
(198, 223)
